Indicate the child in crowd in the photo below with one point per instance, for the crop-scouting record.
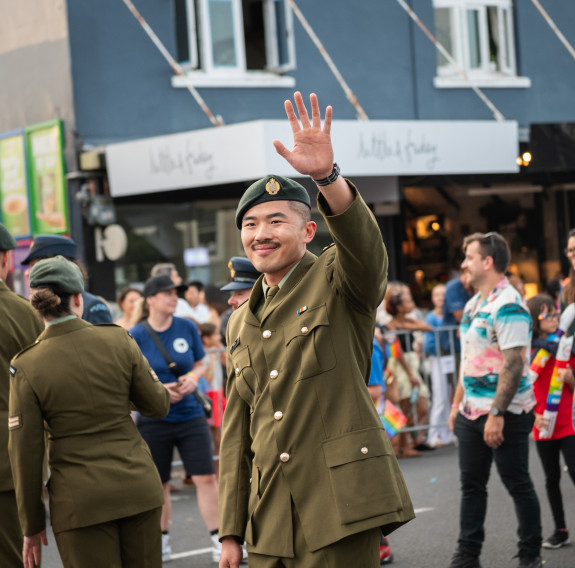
(553, 430)
(212, 382)
(376, 387)
(437, 347)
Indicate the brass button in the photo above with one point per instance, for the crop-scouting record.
(278, 415)
(284, 457)
(364, 450)
(274, 374)
(304, 329)
(237, 371)
(267, 334)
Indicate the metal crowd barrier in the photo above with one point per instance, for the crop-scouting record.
(447, 360)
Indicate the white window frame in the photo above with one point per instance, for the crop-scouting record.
(503, 74)
(201, 69)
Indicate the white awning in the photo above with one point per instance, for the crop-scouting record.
(244, 152)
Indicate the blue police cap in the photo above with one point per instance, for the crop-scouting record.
(243, 274)
(51, 245)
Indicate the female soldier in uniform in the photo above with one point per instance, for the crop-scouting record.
(77, 381)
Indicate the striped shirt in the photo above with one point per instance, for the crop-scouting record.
(501, 321)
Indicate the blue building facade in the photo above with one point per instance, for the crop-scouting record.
(245, 57)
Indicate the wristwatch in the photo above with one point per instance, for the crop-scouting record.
(494, 411)
(329, 179)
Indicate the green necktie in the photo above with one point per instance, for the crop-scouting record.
(272, 291)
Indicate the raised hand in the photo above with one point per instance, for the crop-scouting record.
(312, 153)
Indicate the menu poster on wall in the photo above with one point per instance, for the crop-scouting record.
(13, 186)
(46, 174)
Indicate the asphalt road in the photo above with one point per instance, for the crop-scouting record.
(428, 541)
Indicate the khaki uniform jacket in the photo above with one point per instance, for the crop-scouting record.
(77, 382)
(19, 327)
(300, 424)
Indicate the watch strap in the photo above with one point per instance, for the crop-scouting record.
(330, 178)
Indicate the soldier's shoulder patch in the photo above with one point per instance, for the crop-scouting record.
(234, 345)
(15, 422)
(26, 349)
(327, 248)
(153, 373)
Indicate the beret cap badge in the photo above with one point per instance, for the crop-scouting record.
(272, 186)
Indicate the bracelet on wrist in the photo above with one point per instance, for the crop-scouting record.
(455, 406)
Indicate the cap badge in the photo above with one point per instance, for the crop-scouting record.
(272, 186)
(232, 271)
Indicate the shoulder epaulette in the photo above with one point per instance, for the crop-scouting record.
(26, 349)
(327, 248)
(106, 323)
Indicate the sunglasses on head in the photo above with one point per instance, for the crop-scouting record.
(542, 317)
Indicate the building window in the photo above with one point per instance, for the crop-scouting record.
(223, 42)
(479, 36)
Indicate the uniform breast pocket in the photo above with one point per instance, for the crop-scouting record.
(309, 344)
(246, 380)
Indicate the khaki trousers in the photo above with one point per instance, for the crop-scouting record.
(131, 542)
(11, 540)
(361, 549)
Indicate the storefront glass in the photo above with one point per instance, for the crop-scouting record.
(198, 237)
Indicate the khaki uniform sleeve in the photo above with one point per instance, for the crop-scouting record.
(26, 450)
(235, 461)
(360, 263)
(147, 393)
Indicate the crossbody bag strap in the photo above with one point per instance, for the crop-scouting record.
(161, 348)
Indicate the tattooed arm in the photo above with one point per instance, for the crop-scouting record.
(507, 385)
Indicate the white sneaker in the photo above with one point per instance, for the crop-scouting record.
(166, 548)
(216, 547)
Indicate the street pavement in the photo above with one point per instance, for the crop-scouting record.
(428, 541)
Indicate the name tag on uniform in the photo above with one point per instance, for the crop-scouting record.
(234, 345)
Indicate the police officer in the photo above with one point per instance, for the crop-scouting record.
(244, 276)
(20, 327)
(78, 381)
(307, 473)
(46, 246)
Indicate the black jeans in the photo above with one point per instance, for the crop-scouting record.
(512, 461)
(549, 451)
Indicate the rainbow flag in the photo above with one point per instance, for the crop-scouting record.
(392, 418)
(538, 362)
(556, 385)
(392, 349)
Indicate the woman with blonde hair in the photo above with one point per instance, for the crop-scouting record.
(128, 299)
(413, 393)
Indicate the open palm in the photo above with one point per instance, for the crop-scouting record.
(312, 153)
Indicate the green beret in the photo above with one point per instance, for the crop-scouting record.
(271, 188)
(57, 273)
(7, 241)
